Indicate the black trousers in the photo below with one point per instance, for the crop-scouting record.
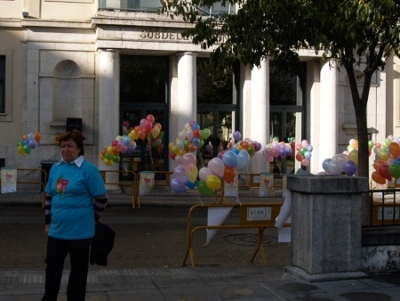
(57, 250)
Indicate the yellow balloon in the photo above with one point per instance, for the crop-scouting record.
(353, 156)
(107, 162)
(213, 182)
(155, 132)
(20, 151)
(133, 135)
(193, 174)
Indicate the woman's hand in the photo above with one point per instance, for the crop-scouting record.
(46, 229)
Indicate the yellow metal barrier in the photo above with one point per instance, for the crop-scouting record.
(119, 183)
(42, 184)
(264, 215)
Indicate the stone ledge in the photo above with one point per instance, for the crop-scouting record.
(327, 184)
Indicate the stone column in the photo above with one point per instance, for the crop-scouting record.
(187, 89)
(259, 114)
(328, 136)
(108, 123)
(326, 227)
(184, 94)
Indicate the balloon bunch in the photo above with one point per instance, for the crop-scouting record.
(340, 163)
(30, 141)
(277, 149)
(304, 152)
(120, 145)
(250, 146)
(236, 157)
(346, 162)
(387, 165)
(185, 174)
(187, 141)
(147, 129)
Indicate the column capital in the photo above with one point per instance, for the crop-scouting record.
(108, 50)
(181, 54)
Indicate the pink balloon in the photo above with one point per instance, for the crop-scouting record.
(305, 162)
(216, 165)
(189, 161)
(204, 172)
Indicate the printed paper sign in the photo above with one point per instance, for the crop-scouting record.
(8, 180)
(146, 182)
(266, 183)
(232, 189)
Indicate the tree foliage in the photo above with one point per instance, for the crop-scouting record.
(358, 34)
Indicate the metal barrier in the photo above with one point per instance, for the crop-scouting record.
(121, 183)
(385, 207)
(42, 184)
(252, 215)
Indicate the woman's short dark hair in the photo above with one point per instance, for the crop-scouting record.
(74, 135)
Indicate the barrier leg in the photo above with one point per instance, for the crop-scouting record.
(260, 246)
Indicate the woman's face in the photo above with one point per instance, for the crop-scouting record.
(69, 150)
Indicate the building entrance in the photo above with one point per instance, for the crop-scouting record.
(151, 152)
(221, 120)
(144, 91)
(287, 115)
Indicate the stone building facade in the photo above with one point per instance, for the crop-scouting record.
(62, 59)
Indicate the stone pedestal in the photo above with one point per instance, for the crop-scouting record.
(326, 226)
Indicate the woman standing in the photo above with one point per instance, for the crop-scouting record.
(70, 216)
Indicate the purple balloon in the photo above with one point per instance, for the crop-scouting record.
(237, 135)
(177, 186)
(349, 168)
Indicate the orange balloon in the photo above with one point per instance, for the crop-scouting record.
(299, 157)
(244, 144)
(394, 149)
(378, 163)
(191, 147)
(115, 150)
(37, 136)
(229, 174)
(378, 178)
(141, 135)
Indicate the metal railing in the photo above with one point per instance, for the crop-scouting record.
(385, 206)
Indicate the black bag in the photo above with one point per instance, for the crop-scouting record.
(101, 244)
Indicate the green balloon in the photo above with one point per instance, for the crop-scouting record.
(203, 188)
(394, 170)
(205, 133)
(27, 149)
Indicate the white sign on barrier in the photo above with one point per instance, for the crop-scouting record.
(259, 213)
(8, 180)
(388, 213)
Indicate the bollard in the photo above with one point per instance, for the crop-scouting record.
(326, 227)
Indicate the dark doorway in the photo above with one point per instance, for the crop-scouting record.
(143, 92)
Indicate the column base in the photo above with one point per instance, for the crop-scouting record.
(297, 272)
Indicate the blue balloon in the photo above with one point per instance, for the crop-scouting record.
(191, 185)
(230, 159)
(325, 164)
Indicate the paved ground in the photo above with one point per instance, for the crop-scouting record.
(146, 262)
